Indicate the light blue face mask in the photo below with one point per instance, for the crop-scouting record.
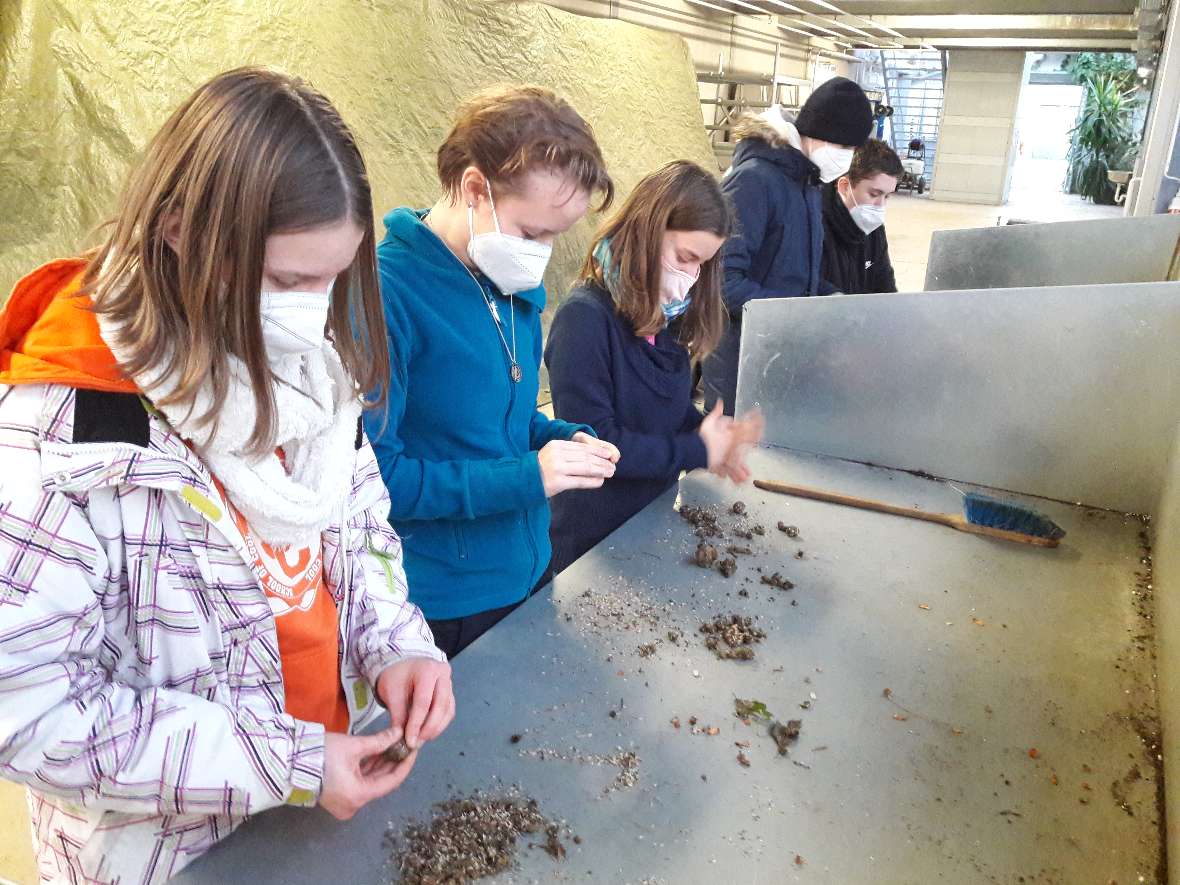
(673, 309)
(676, 290)
(672, 281)
(602, 255)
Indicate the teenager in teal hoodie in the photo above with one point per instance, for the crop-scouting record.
(468, 460)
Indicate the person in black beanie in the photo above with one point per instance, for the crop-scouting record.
(776, 249)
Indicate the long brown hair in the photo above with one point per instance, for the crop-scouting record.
(252, 152)
(508, 131)
(680, 196)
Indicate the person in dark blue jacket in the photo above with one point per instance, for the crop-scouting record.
(468, 460)
(620, 353)
(777, 246)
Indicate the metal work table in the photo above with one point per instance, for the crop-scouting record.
(1011, 742)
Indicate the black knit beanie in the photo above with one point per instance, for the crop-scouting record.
(838, 112)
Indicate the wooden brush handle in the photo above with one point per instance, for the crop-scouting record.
(954, 521)
(961, 523)
(850, 501)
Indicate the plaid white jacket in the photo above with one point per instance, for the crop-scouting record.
(141, 695)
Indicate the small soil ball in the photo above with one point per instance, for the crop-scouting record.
(785, 735)
(398, 752)
(738, 508)
(706, 555)
(727, 566)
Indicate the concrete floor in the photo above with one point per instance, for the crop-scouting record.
(912, 221)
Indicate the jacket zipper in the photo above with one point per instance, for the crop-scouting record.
(528, 528)
(507, 423)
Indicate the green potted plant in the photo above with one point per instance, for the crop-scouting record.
(1104, 138)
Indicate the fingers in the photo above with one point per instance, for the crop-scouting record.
(423, 696)
(609, 451)
(382, 783)
(747, 434)
(394, 687)
(365, 752)
(355, 772)
(375, 766)
(735, 468)
(442, 712)
(582, 482)
(373, 744)
(608, 448)
(574, 464)
(612, 451)
(754, 416)
(584, 461)
(738, 475)
(715, 415)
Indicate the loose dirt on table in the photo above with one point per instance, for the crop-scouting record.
(731, 637)
(470, 838)
(785, 734)
(747, 710)
(777, 581)
(627, 761)
(703, 521)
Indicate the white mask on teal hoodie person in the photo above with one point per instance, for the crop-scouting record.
(514, 264)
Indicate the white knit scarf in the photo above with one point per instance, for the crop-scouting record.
(317, 408)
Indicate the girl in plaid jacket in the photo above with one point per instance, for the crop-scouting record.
(201, 601)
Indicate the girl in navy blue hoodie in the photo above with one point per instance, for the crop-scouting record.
(621, 349)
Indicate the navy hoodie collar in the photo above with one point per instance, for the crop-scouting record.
(789, 159)
(661, 366)
(408, 226)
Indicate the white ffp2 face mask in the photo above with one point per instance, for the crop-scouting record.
(832, 160)
(514, 264)
(868, 217)
(294, 322)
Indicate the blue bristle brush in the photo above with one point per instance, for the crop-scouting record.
(982, 515)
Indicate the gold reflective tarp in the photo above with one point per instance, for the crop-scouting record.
(84, 84)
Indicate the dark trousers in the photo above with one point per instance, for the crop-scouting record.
(720, 370)
(453, 635)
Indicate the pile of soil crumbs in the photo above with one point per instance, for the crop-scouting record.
(470, 838)
(703, 521)
(731, 637)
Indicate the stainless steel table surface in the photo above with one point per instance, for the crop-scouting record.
(1016, 740)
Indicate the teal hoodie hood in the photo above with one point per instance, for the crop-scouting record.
(458, 440)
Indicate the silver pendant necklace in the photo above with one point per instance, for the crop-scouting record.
(514, 370)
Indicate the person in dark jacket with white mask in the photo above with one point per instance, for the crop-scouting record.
(773, 185)
(856, 252)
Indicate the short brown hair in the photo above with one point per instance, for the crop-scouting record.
(680, 196)
(508, 131)
(874, 158)
(252, 152)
